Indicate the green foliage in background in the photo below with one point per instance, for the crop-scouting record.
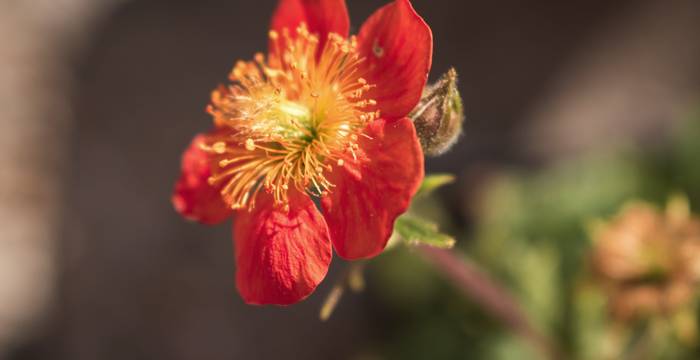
(531, 231)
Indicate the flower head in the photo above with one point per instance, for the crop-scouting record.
(648, 261)
(322, 115)
(296, 113)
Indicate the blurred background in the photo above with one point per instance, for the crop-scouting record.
(573, 109)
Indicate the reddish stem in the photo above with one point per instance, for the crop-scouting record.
(476, 284)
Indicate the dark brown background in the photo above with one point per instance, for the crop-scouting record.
(135, 281)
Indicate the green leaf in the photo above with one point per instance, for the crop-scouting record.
(433, 182)
(415, 231)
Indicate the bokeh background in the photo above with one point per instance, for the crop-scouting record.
(573, 108)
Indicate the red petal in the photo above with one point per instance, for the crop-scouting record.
(193, 197)
(321, 16)
(374, 190)
(280, 256)
(398, 48)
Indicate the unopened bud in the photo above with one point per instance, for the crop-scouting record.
(439, 114)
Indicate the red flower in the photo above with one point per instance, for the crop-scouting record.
(322, 116)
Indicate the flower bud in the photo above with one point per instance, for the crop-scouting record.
(439, 114)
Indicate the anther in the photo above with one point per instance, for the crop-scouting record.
(249, 144)
(259, 57)
(219, 147)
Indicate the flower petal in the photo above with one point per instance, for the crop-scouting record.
(321, 16)
(398, 48)
(280, 256)
(193, 197)
(372, 191)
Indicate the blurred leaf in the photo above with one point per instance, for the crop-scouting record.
(433, 182)
(414, 231)
(593, 338)
(537, 272)
(410, 291)
(508, 347)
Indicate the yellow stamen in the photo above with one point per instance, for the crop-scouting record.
(291, 116)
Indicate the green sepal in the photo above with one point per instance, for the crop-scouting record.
(433, 182)
(415, 231)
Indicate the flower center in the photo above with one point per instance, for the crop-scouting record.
(291, 117)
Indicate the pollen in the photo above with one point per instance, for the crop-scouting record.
(249, 144)
(291, 116)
